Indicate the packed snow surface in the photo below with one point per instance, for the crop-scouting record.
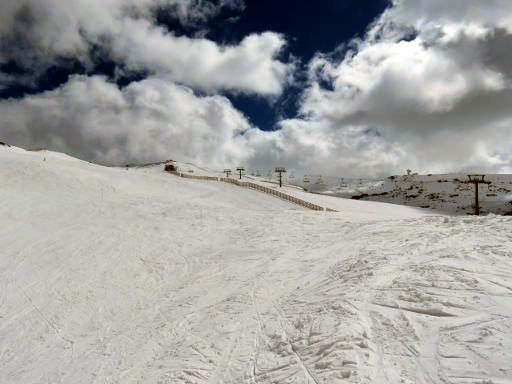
(115, 275)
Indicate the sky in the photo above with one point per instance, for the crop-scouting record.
(349, 88)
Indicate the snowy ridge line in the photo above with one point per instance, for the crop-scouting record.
(270, 191)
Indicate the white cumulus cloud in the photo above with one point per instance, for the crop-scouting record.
(147, 121)
(34, 32)
(427, 88)
(432, 79)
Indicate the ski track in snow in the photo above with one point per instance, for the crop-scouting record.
(110, 275)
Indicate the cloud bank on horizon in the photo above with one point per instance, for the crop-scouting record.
(427, 88)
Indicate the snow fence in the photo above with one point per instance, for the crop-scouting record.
(257, 187)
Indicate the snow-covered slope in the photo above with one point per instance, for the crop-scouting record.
(362, 211)
(448, 193)
(109, 275)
